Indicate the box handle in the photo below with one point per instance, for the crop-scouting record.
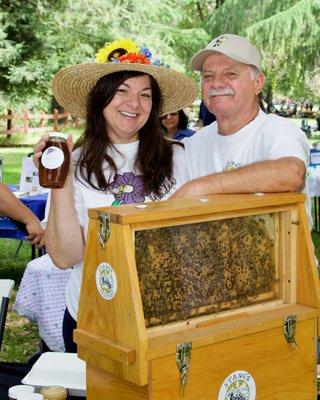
(104, 346)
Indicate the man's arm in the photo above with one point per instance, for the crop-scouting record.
(283, 175)
(13, 208)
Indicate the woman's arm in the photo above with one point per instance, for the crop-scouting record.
(64, 237)
(63, 234)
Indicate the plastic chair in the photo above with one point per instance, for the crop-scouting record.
(6, 287)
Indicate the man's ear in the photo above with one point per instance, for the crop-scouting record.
(259, 82)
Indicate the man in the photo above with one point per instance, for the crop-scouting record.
(15, 209)
(245, 150)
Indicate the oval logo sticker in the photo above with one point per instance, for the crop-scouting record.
(239, 385)
(52, 157)
(106, 281)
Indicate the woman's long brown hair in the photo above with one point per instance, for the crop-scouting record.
(154, 156)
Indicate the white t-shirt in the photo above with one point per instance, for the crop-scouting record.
(126, 188)
(267, 137)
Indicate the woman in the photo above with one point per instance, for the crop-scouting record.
(122, 156)
(175, 125)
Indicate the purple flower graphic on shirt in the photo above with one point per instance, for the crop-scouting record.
(128, 189)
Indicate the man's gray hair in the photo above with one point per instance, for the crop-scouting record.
(254, 72)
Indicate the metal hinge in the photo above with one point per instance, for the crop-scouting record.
(104, 229)
(289, 330)
(183, 356)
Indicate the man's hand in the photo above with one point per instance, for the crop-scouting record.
(189, 189)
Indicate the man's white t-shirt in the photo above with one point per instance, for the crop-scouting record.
(126, 188)
(267, 137)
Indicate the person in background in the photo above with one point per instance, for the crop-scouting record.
(175, 125)
(13, 208)
(318, 121)
(245, 150)
(205, 116)
(122, 156)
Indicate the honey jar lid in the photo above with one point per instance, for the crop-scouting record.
(58, 135)
(54, 393)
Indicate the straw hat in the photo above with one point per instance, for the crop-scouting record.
(72, 85)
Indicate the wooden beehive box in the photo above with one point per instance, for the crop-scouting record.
(204, 298)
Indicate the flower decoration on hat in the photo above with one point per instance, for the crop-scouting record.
(133, 58)
(126, 51)
(114, 50)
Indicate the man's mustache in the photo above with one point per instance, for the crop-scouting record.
(221, 92)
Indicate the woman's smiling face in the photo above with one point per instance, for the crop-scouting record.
(129, 109)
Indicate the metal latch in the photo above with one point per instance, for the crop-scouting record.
(183, 356)
(289, 330)
(104, 230)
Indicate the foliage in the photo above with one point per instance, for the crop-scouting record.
(22, 50)
(39, 37)
(287, 33)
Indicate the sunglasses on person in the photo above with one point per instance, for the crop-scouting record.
(170, 114)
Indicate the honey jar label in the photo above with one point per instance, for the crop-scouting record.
(238, 385)
(106, 281)
(52, 157)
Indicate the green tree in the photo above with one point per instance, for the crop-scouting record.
(287, 33)
(20, 41)
(39, 37)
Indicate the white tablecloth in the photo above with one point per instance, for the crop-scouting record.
(41, 298)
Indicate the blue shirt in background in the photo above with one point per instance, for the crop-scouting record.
(205, 115)
(183, 133)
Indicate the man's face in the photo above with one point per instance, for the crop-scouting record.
(229, 87)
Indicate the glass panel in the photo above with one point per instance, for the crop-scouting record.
(202, 268)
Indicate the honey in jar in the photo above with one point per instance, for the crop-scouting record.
(54, 393)
(54, 162)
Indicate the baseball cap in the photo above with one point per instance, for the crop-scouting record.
(236, 47)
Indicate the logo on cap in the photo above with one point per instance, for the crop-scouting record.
(218, 42)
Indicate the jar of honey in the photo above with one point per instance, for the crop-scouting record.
(55, 162)
(54, 393)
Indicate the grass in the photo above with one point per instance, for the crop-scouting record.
(21, 339)
(12, 161)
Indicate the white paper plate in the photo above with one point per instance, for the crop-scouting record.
(59, 369)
